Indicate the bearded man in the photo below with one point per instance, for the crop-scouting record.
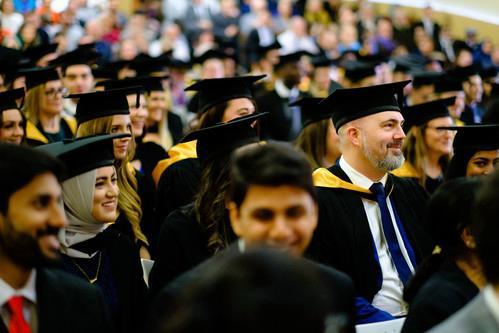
(33, 297)
(370, 222)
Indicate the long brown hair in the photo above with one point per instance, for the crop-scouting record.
(313, 141)
(210, 203)
(128, 200)
(415, 151)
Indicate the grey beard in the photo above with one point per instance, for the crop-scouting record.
(389, 163)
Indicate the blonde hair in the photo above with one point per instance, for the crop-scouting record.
(128, 200)
(33, 102)
(415, 150)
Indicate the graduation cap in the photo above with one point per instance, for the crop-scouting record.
(402, 68)
(323, 61)
(179, 64)
(100, 104)
(445, 83)
(84, 154)
(210, 54)
(354, 103)
(264, 49)
(291, 58)
(475, 137)
(215, 91)
(33, 54)
(463, 73)
(488, 73)
(420, 114)
(144, 64)
(81, 56)
(355, 71)
(311, 110)
(424, 78)
(8, 99)
(39, 75)
(224, 137)
(104, 73)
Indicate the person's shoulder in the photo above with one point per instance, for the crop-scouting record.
(66, 283)
(181, 219)
(474, 317)
(339, 278)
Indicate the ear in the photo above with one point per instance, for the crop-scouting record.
(353, 135)
(235, 221)
(468, 239)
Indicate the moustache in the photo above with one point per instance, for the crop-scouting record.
(395, 144)
(49, 231)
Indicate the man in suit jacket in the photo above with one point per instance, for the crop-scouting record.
(275, 207)
(370, 222)
(34, 298)
(482, 314)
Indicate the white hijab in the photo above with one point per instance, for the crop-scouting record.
(78, 197)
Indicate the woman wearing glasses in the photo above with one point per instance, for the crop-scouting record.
(43, 108)
(427, 147)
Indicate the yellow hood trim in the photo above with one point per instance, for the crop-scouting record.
(33, 133)
(406, 171)
(176, 153)
(324, 178)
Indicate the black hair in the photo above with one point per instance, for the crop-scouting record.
(271, 164)
(19, 165)
(250, 292)
(449, 212)
(459, 163)
(485, 227)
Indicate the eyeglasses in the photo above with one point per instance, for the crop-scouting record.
(54, 92)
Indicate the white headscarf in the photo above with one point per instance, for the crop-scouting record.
(78, 197)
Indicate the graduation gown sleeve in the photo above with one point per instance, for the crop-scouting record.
(182, 245)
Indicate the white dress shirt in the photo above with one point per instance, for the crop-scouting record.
(389, 297)
(492, 301)
(29, 304)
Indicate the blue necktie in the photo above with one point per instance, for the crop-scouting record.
(389, 231)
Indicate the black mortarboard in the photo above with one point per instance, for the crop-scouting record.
(311, 110)
(290, 58)
(475, 137)
(224, 137)
(102, 103)
(263, 50)
(323, 61)
(8, 99)
(80, 56)
(459, 45)
(180, 64)
(144, 64)
(104, 73)
(9, 60)
(354, 103)
(445, 83)
(463, 73)
(33, 54)
(84, 154)
(210, 54)
(488, 73)
(356, 71)
(39, 75)
(419, 114)
(422, 78)
(146, 82)
(215, 91)
(400, 67)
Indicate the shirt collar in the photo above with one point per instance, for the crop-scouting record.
(356, 177)
(284, 91)
(241, 245)
(28, 291)
(492, 301)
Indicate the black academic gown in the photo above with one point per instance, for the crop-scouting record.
(182, 245)
(67, 304)
(445, 293)
(341, 285)
(175, 127)
(120, 277)
(343, 238)
(177, 187)
(278, 124)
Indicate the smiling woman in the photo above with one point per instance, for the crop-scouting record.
(12, 120)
